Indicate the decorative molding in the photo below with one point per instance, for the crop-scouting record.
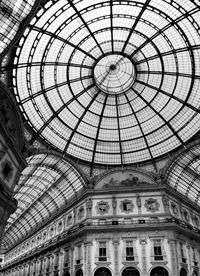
(89, 204)
(116, 257)
(69, 219)
(143, 243)
(152, 205)
(102, 207)
(186, 215)
(114, 205)
(126, 206)
(81, 213)
(174, 209)
(139, 203)
(165, 201)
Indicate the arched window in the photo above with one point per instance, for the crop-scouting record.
(159, 271)
(130, 271)
(183, 272)
(102, 271)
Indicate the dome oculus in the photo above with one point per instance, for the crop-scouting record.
(114, 74)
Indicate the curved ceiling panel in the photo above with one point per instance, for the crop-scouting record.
(46, 185)
(13, 13)
(111, 82)
(184, 174)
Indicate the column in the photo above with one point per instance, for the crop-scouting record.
(28, 268)
(72, 260)
(20, 270)
(31, 268)
(35, 268)
(116, 257)
(60, 260)
(143, 243)
(46, 267)
(174, 257)
(56, 260)
(41, 266)
(87, 258)
(51, 264)
(66, 260)
(189, 259)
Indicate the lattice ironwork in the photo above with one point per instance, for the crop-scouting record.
(111, 82)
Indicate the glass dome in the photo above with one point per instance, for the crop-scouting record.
(111, 82)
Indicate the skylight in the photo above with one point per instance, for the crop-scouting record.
(111, 82)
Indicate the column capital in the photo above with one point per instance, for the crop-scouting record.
(143, 241)
(172, 241)
(115, 241)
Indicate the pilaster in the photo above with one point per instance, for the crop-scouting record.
(116, 257)
(143, 243)
(174, 257)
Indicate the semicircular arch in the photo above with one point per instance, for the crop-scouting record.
(61, 182)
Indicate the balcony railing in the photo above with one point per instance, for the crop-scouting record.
(110, 224)
(102, 259)
(130, 258)
(158, 257)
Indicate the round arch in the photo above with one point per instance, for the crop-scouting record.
(130, 271)
(183, 272)
(79, 272)
(102, 271)
(67, 273)
(159, 271)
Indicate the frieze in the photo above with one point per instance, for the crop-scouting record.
(124, 179)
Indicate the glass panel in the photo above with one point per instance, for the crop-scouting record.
(111, 83)
(45, 185)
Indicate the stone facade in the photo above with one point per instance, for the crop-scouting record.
(138, 227)
(12, 161)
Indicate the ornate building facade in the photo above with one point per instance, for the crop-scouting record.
(127, 223)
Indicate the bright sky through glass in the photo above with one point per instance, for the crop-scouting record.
(147, 108)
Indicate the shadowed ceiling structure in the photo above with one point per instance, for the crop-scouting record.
(107, 84)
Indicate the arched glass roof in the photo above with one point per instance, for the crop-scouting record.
(111, 82)
(183, 173)
(45, 186)
(12, 14)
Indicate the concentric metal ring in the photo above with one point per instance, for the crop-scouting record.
(58, 81)
(114, 74)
